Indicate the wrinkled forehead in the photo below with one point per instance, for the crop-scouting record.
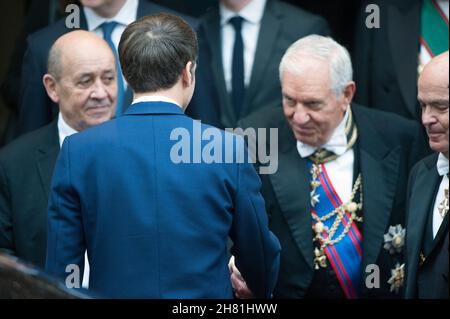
(436, 72)
(95, 61)
(307, 81)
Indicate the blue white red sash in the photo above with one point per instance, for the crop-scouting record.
(344, 256)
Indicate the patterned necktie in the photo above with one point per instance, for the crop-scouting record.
(322, 156)
(237, 81)
(108, 28)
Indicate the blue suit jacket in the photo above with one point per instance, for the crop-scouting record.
(153, 228)
(36, 108)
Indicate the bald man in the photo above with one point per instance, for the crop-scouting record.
(81, 79)
(427, 242)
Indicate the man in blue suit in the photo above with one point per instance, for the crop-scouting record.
(157, 227)
(106, 18)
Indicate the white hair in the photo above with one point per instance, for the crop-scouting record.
(322, 48)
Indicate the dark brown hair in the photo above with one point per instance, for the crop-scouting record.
(154, 50)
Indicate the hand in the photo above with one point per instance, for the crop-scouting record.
(240, 287)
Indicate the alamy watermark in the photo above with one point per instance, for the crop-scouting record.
(373, 19)
(73, 18)
(211, 145)
(73, 279)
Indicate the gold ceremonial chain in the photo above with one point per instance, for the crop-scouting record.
(351, 206)
(443, 206)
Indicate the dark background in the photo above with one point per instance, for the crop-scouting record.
(340, 14)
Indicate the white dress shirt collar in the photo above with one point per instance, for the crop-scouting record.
(64, 130)
(442, 168)
(126, 15)
(442, 165)
(251, 13)
(337, 143)
(155, 98)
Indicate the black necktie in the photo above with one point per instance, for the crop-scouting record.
(238, 85)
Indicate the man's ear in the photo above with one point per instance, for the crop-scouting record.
(188, 74)
(349, 92)
(50, 86)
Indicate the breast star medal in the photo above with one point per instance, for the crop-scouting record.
(397, 277)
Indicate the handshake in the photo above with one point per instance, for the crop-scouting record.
(240, 288)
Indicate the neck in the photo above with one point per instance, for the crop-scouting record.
(172, 94)
(446, 154)
(235, 5)
(110, 9)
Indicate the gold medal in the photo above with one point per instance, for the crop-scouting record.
(443, 206)
(320, 259)
(318, 227)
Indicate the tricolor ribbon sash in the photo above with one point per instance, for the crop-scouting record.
(344, 256)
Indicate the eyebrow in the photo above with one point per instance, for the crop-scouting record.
(435, 102)
(81, 75)
(285, 95)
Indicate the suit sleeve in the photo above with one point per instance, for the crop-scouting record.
(6, 229)
(35, 108)
(65, 235)
(256, 249)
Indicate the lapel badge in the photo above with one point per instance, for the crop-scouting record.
(397, 277)
(394, 239)
(314, 198)
(422, 259)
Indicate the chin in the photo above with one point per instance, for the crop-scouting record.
(304, 140)
(93, 3)
(439, 147)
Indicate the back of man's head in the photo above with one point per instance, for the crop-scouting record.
(154, 50)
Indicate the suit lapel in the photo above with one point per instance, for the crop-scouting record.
(213, 39)
(290, 184)
(270, 26)
(46, 155)
(379, 184)
(443, 229)
(379, 170)
(420, 201)
(144, 9)
(404, 28)
(83, 22)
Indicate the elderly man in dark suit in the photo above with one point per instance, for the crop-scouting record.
(241, 44)
(428, 199)
(106, 18)
(81, 79)
(337, 201)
